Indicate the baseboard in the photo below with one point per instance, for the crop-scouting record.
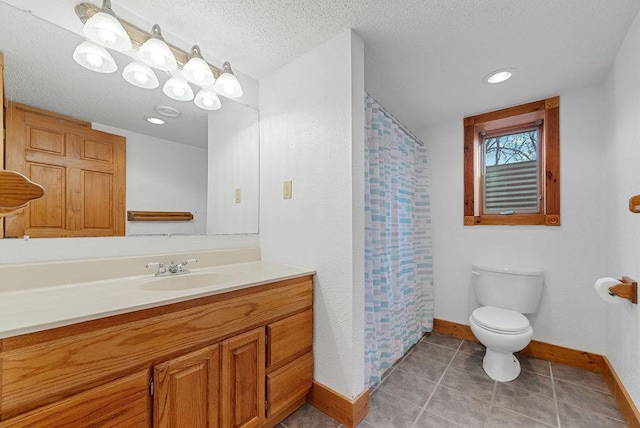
(449, 328)
(625, 403)
(346, 411)
(559, 354)
(544, 351)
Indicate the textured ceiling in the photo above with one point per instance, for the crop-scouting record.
(424, 59)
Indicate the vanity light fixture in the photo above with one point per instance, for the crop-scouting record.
(94, 57)
(140, 75)
(196, 70)
(104, 29)
(227, 84)
(155, 52)
(208, 100)
(499, 76)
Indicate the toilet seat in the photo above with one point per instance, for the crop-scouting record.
(500, 320)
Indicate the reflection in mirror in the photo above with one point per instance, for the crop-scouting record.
(167, 167)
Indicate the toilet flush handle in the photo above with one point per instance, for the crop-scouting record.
(473, 272)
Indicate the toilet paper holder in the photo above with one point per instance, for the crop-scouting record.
(627, 289)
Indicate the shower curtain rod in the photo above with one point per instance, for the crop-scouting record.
(397, 122)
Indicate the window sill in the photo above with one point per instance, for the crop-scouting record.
(513, 220)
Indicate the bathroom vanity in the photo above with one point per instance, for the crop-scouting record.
(238, 354)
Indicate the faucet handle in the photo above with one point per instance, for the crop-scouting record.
(184, 262)
(159, 265)
(154, 264)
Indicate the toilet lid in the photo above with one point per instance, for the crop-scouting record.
(500, 320)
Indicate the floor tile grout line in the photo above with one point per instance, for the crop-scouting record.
(491, 403)
(424, 407)
(584, 386)
(555, 397)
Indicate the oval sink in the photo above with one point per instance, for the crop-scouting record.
(186, 281)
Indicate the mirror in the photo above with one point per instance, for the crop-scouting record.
(169, 166)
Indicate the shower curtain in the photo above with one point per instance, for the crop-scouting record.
(398, 260)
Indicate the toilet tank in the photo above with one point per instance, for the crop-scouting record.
(514, 289)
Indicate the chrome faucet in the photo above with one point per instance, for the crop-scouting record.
(180, 268)
(173, 269)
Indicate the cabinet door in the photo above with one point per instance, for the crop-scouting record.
(122, 403)
(243, 380)
(187, 390)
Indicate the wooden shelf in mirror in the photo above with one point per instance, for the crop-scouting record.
(159, 216)
(16, 191)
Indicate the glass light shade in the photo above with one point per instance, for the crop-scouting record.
(107, 31)
(227, 84)
(140, 75)
(197, 71)
(94, 58)
(156, 53)
(208, 100)
(178, 89)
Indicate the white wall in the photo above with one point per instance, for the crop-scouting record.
(571, 255)
(622, 180)
(234, 163)
(164, 175)
(312, 132)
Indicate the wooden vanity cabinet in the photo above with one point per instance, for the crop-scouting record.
(239, 359)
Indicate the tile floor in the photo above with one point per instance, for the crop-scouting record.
(440, 383)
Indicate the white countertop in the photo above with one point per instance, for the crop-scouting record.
(39, 309)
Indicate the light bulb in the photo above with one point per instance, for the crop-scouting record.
(95, 60)
(140, 77)
(157, 59)
(178, 91)
(198, 76)
(227, 89)
(107, 37)
(94, 57)
(208, 100)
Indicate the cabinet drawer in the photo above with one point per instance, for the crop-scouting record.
(122, 403)
(289, 383)
(289, 337)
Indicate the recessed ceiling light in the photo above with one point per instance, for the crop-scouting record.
(499, 76)
(155, 120)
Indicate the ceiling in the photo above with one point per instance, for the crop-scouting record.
(424, 59)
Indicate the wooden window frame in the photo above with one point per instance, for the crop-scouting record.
(547, 110)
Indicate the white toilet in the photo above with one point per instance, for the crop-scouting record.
(498, 324)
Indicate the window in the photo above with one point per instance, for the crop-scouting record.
(512, 166)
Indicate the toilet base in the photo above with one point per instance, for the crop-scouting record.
(503, 367)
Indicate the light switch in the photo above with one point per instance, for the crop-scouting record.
(238, 196)
(286, 189)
